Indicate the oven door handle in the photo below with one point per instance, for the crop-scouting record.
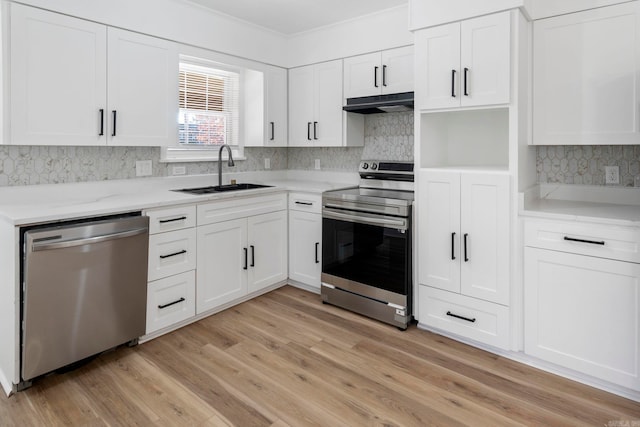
(363, 218)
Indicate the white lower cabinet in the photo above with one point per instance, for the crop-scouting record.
(305, 238)
(240, 256)
(171, 300)
(583, 313)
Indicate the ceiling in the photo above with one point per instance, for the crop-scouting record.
(295, 16)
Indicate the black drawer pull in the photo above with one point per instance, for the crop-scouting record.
(184, 251)
(273, 131)
(317, 245)
(304, 203)
(178, 301)
(245, 259)
(114, 113)
(466, 257)
(466, 71)
(593, 242)
(164, 221)
(309, 131)
(461, 317)
(453, 251)
(253, 256)
(453, 83)
(375, 76)
(101, 122)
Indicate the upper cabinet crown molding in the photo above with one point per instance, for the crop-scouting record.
(74, 82)
(586, 77)
(430, 13)
(385, 72)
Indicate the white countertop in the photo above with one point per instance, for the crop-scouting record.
(23, 205)
(600, 204)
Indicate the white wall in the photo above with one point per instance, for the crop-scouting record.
(369, 33)
(179, 21)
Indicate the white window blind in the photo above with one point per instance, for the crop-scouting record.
(209, 106)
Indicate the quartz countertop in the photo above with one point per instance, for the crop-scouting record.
(32, 204)
(605, 205)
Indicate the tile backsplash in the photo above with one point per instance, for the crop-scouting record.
(584, 164)
(387, 136)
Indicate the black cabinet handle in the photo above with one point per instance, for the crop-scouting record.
(315, 130)
(466, 258)
(253, 256)
(245, 259)
(101, 122)
(375, 76)
(184, 251)
(178, 301)
(593, 242)
(114, 114)
(453, 252)
(317, 245)
(466, 71)
(304, 203)
(384, 75)
(453, 83)
(273, 131)
(164, 221)
(309, 131)
(461, 317)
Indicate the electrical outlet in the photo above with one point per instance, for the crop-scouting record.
(612, 175)
(143, 168)
(179, 170)
(267, 163)
(317, 166)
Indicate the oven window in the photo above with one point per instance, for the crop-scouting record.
(367, 254)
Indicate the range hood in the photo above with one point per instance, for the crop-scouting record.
(393, 103)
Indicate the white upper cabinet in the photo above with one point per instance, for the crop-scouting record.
(58, 79)
(276, 105)
(389, 71)
(142, 89)
(75, 82)
(315, 105)
(586, 81)
(464, 64)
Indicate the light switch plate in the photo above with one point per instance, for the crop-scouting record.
(143, 168)
(611, 175)
(179, 170)
(317, 164)
(267, 163)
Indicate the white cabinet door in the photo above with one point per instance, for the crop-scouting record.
(315, 105)
(222, 263)
(582, 312)
(267, 237)
(485, 60)
(143, 89)
(305, 247)
(327, 123)
(485, 230)
(301, 106)
(586, 84)
(362, 75)
(437, 67)
(397, 70)
(58, 79)
(276, 117)
(439, 230)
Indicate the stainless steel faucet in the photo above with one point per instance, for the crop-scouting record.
(230, 163)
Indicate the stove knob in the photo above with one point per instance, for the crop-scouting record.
(374, 166)
(365, 166)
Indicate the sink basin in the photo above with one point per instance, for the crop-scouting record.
(221, 188)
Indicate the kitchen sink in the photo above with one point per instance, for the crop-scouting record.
(221, 188)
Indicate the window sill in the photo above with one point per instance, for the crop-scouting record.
(200, 159)
(195, 155)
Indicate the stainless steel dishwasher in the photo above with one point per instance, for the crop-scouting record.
(84, 290)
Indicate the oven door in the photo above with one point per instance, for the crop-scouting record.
(361, 251)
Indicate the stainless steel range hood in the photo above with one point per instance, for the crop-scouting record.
(396, 102)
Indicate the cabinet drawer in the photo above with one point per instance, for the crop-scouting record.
(171, 253)
(305, 202)
(465, 316)
(171, 219)
(171, 300)
(613, 242)
(234, 208)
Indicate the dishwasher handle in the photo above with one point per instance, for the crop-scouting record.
(49, 245)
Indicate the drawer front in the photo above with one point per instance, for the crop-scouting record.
(305, 202)
(605, 241)
(240, 207)
(471, 318)
(171, 300)
(170, 219)
(171, 253)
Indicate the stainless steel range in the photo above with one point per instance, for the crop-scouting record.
(366, 243)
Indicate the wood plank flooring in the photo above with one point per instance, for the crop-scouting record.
(285, 359)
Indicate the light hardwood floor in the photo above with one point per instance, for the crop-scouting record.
(285, 359)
